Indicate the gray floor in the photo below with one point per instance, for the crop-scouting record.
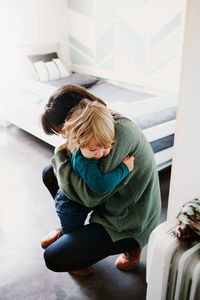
(27, 213)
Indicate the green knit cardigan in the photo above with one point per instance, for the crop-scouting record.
(132, 209)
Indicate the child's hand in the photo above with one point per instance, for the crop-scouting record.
(129, 162)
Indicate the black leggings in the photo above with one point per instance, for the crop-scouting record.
(81, 247)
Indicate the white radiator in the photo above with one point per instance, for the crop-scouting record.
(173, 270)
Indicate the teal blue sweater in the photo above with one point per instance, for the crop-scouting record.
(88, 169)
(132, 209)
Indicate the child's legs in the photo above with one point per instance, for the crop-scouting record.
(72, 215)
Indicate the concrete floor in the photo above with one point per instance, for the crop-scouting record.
(27, 213)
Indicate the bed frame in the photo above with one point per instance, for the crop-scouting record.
(153, 112)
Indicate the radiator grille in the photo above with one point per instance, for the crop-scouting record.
(173, 270)
(181, 271)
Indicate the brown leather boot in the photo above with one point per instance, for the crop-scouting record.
(128, 260)
(51, 237)
(88, 271)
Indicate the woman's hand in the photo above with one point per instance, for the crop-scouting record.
(61, 147)
(129, 162)
(72, 146)
(112, 112)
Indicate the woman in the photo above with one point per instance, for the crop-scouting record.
(122, 219)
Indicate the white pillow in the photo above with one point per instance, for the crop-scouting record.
(61, 67)
(52, 70)
(41, 71)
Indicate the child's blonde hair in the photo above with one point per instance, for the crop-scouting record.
(89, 119)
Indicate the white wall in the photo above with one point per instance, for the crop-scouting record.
(38, 22)
(185, 179)
(29, 22)
(133, 41)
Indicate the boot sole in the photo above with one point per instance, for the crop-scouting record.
(127, 269)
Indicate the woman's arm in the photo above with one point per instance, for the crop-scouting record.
(74, 187)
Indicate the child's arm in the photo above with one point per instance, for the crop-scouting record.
(100, 183)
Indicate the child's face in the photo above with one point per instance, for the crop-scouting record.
(93, 150)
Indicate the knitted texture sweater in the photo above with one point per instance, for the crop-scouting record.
(132, 209)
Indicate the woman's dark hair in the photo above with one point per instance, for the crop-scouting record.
(61, 103)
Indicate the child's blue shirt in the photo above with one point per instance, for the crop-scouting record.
(88, 170)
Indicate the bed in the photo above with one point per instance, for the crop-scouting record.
(154, 113)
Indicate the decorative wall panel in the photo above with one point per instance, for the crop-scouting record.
(136, 41)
